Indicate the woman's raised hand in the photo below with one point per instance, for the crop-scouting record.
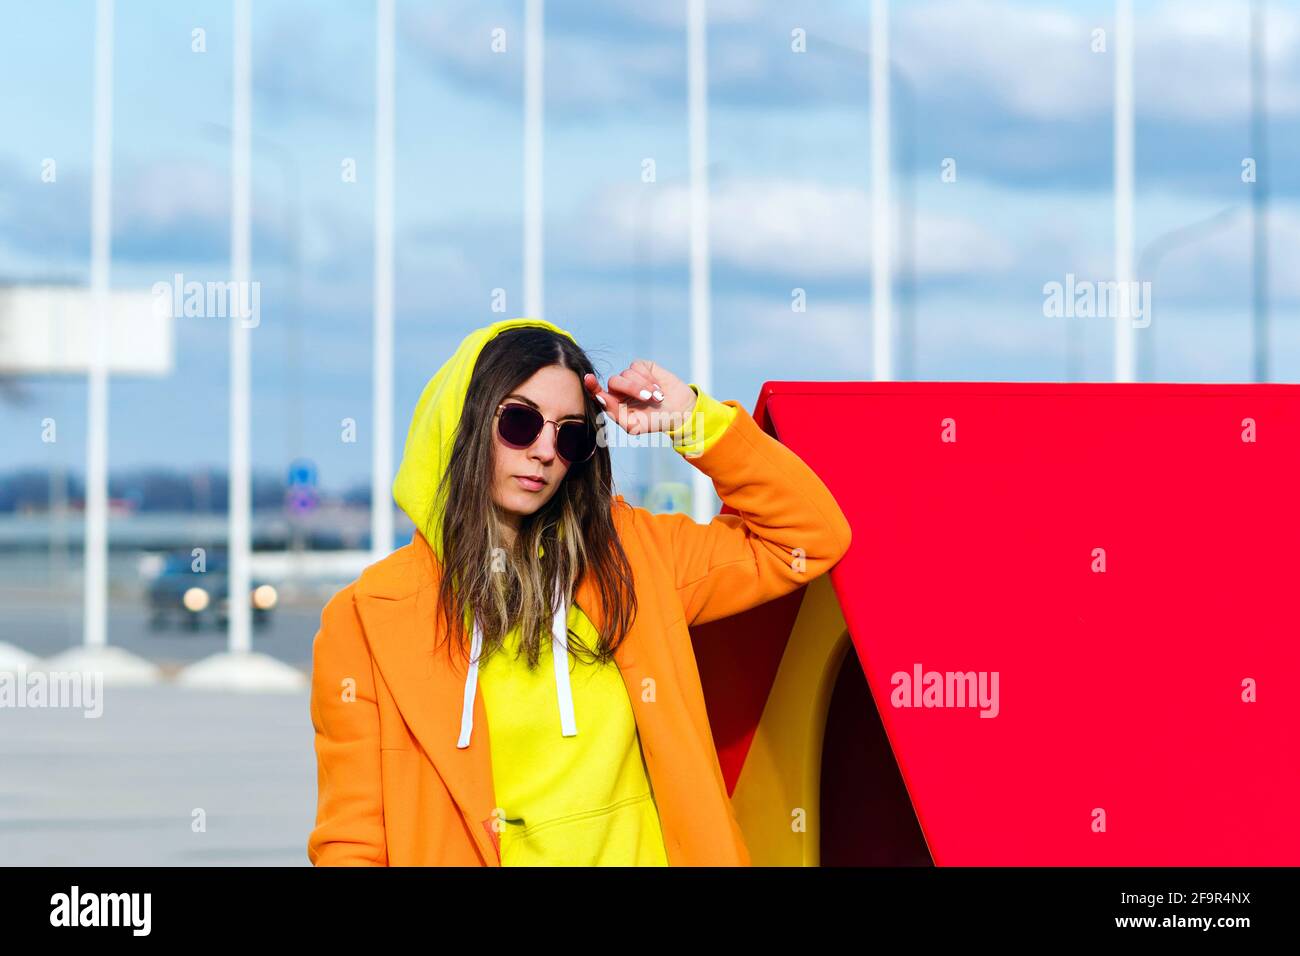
(643, 398)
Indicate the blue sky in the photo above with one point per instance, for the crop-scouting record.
(1011, 90)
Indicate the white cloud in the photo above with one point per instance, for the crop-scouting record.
(1021, 57)
(1219, 265)
(782, 226)
(674, 14)
(1190, 57)
(1034, 59)
(832, 338)
(166, 193)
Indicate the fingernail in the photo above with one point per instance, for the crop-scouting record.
(659, 396)
(601, 399)
(644, 393)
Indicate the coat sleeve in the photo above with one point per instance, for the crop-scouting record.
(345, 714)
(789, 529)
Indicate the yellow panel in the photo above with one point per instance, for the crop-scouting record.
(778, 794)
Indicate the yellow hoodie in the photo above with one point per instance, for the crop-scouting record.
(563, 798)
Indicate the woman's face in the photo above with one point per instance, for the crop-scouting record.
(557, 393)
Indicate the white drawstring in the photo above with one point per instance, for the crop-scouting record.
(471, 685)
(560, 653)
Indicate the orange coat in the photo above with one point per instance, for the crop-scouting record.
(393, 788)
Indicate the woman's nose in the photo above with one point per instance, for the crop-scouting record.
(544, 447)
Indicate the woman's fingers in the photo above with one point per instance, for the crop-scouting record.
(592, 384)
(632, 396)
(650, 372)
(636, 384)
(621, 411)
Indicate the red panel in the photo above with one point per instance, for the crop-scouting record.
(1119, 690)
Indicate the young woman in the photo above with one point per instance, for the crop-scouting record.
(534, 603)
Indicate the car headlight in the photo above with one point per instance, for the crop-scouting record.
(195, 599)
(264, 597)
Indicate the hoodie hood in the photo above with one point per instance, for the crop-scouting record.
(425, 459)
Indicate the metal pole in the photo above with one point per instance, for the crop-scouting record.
(240, 517)
(882, 234)
(1125, 351)
(381, 471)
(882, 215)
(1259, 194)
(534, 73)
(907, 232)
(95, 623)
(703, 506)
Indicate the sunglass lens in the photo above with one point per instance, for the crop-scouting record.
(520, 425)
(576, 441)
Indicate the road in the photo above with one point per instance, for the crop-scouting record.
(164, 776)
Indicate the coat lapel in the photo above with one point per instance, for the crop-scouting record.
(398, 610)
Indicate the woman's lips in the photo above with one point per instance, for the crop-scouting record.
(530, 484)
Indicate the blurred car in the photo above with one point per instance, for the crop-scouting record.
(195, 597)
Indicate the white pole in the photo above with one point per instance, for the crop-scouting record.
(533, 105)
(703, 505)
(381, 469)
(1125, 345)
(882, 236)
(1259, 194)
(240, 619)
(95, 625)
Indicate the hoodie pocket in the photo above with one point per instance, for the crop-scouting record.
(625, 833)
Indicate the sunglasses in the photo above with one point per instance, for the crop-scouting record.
(519, 426)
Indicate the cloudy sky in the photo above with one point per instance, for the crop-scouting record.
(1012, 92)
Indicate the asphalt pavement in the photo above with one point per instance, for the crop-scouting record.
(164, 776)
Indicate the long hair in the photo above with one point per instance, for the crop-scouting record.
(504, 587)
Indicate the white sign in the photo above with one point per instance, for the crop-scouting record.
(45, 329)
